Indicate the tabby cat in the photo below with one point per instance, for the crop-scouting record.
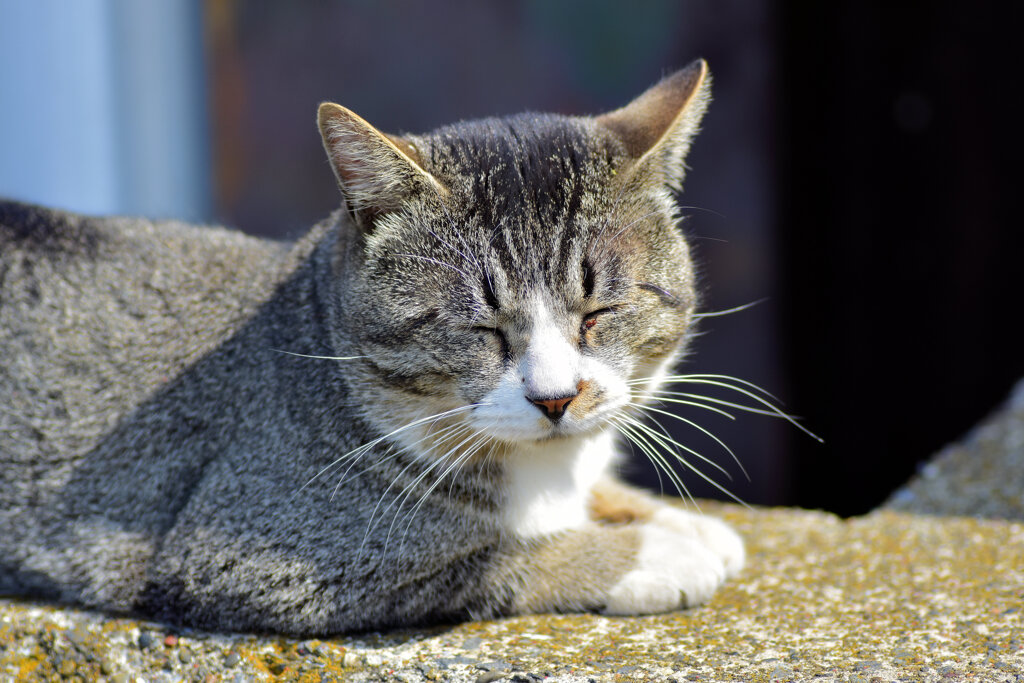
(408, 416)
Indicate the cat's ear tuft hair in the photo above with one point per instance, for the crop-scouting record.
(376, 172)
(656, 128)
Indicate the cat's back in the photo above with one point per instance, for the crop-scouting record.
(48, 257)
(97, 313)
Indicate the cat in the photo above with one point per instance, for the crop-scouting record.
(408, 416)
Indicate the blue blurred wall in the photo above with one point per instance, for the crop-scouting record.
(103, 106)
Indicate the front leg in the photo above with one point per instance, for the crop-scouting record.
(613, 502)
(623, 569)
(637, 555)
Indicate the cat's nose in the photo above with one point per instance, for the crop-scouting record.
(553, 408)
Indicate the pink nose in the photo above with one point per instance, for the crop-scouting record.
(553, 408)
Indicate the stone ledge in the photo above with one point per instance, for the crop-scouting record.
(980, 476)
(889, 596)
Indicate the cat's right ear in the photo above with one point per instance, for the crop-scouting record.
(377, 173)
(657, 127)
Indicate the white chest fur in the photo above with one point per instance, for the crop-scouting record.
(549, 484)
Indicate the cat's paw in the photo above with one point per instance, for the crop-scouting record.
(672, 571)
(714, 534)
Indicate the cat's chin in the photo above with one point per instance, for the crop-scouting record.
(559, 436)
(553, 436)
(590, 429)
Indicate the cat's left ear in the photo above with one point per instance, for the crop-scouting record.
(657, 127)
(376, 172)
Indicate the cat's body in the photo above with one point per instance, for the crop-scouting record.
(407, 416)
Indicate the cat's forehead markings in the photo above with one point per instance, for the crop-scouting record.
(540, 312)
(543, 313)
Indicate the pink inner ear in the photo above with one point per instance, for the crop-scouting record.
(347, 149)
(349, 162)
(369, 170)
(642, 123)
(375, 171)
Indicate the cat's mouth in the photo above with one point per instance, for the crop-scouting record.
(522, 431)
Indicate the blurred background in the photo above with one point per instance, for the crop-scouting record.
(856, 172)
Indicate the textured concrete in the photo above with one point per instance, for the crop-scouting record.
(887, 597)
(981, 476)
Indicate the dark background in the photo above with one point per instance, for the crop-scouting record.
(902, 242)
(857, 168)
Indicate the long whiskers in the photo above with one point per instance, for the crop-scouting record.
(392, 452)
(748, 389)
(466, 436)
(453, 467)
(474, 438)
(651, 409)
(633, 431)
(446, 434)
(660, 447)
(359, 451)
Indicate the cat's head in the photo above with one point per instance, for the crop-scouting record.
(526, 273)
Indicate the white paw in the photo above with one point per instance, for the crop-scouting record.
(672, 571)
(716, 535)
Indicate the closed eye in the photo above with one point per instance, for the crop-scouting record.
(666, 296)
(591, 318)
(490, 298)
(487, 330)
(506, 350)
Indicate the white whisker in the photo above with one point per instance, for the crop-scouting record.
(408, 490)
(648, 409)
(457, 464)
(728, 311)
(304, 355)
(629, 428)
(355, 452)
(657, 395)
(707, 376)
(668, 443)
(693, 468)
(696, 398)
(450, 432)
(744, 387)
(391, 452)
